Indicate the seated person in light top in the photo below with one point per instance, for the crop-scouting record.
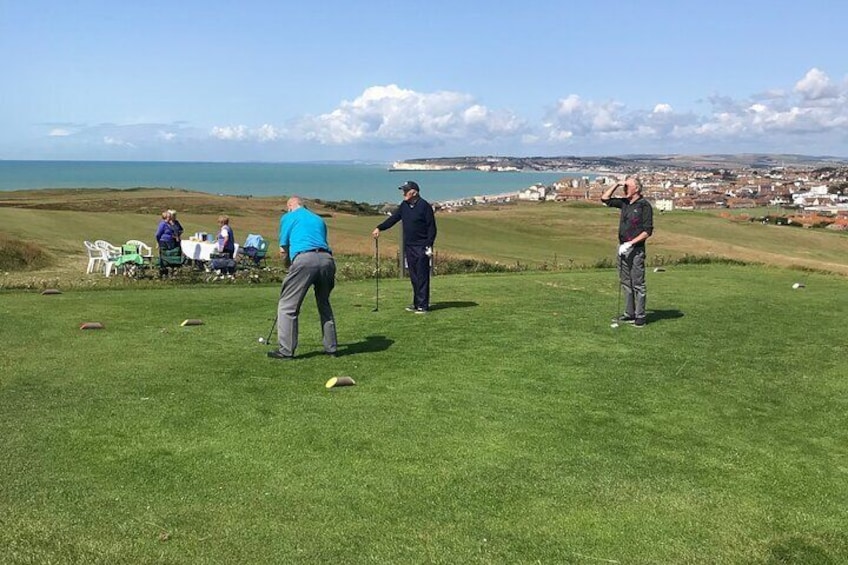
(226, 239)
(166, 237)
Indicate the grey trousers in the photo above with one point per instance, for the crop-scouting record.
(631, 273)
(316, 269)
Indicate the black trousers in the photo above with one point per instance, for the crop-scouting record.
(418, 265)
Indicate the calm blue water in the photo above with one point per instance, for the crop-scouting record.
(360, 182)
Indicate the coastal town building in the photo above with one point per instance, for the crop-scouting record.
(806, 196)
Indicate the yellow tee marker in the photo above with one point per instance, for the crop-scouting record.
(340, 381)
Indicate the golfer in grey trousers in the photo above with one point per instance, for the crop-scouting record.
(303, 242)
(635, 226)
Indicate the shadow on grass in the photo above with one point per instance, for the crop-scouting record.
(657, 315)
(371, 344)
(455, 304)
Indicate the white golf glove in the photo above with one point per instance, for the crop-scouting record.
(428, 251)
(625, 248)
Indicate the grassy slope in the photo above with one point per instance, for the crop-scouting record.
(533, 234)
(511, 425)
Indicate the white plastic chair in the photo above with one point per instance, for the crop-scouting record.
(109, 253)
(143, 249)
(95, 257)
(113, 250)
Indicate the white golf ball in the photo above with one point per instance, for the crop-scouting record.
(796, 285)
(261, 340)
(613, 325)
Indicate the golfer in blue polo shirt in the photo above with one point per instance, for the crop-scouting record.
(303, 243)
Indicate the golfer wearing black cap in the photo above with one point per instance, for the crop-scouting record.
(419, 234)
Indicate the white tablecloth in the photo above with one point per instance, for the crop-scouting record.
(201, 250)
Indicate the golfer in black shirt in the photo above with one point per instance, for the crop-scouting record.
(419, 234)
(636, 224)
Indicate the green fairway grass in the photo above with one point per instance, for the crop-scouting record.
(512, 424)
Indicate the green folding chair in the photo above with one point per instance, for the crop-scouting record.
(170, 259)
(254, 256)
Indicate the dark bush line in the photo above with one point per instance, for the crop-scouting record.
(350, 207)
(697, 260)
(349, 268)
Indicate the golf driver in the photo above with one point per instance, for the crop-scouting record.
(377, 271)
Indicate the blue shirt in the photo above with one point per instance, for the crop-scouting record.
(302, 230)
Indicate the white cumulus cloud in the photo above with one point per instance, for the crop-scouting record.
(815, 85)
(390, 114)
(109, 140)
(267, 132)
(817, 106)
(573, 117)
(811, 111)
(263, 133)
(230, 132)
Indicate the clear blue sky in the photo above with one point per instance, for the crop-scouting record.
(389, 79)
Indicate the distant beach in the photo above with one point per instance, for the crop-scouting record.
(360, 182)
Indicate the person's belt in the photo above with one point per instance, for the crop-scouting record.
(316, 250)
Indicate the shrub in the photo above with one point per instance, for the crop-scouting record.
(453, 266)
(706, 259)
(19, 255)
(605, 263)
(583, 204)
(350, 207)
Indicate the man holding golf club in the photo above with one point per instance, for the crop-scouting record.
(419, 234)
(636, 224)
(303, 242)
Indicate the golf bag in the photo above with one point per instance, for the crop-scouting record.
(223, 263)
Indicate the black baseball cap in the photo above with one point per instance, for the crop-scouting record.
(409, 185)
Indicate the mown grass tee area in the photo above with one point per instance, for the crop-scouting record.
(512, 424)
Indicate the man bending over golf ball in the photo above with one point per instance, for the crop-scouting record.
(303, 240)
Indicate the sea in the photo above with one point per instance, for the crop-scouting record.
(373, 183)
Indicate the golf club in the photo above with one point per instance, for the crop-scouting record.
(377, 271)
(266, 341)
(614, 323)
